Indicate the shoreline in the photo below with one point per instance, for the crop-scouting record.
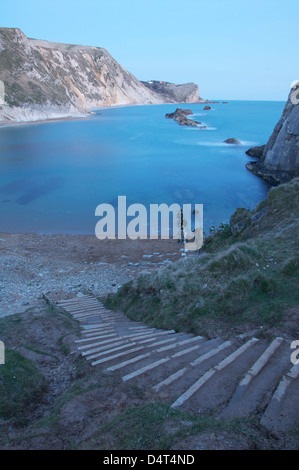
(31, 264)
(42, 121)
(89, 113)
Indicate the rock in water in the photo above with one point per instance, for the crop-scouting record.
(207, 108)
(232, 141)
(178, 112)
(180, 117)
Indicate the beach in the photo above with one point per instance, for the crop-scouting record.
(32, 264)
(44, 121)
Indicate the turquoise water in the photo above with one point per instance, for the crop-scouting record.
(53, 175)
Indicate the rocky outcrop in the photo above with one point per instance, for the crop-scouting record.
(171, 93)
(256, 152)
(239, 220)
(207, 108)
(280, 159)
(179, 112)
(232, 141)
(50, 80)
(180, 117)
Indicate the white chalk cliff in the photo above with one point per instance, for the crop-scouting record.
(45, 80)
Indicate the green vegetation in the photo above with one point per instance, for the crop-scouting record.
(250, 276)
(23, 377)
(21, 385)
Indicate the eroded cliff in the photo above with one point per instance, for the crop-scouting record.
(280, 159)
(46, 80)
(172, 93)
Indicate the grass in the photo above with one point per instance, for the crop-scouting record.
(21, 384)
(64, 347)
(249, 277)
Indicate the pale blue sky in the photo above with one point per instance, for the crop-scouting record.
(233, 49)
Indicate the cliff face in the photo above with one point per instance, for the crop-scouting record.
(280, 159)
(171, 93)
(46, 80)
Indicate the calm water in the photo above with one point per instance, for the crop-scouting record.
(53, 175)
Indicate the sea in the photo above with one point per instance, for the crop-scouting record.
(53, 175)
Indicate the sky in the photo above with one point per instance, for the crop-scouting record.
(233, 49)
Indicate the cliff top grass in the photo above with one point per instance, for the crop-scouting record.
(245, 276)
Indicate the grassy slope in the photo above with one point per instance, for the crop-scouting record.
(29, 355)
(249, 278)
(21, 384)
